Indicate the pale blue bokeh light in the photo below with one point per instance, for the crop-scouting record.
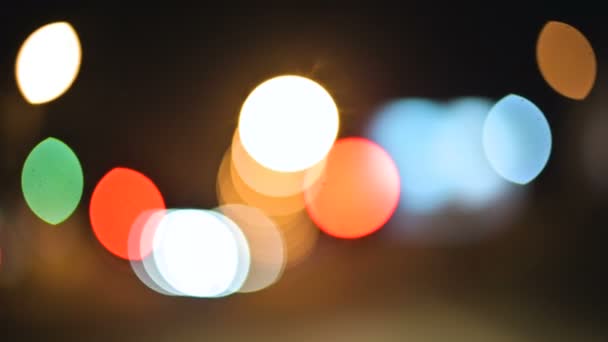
(517, 139)
(405, 129)
(459, 153)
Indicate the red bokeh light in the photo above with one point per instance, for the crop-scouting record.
(358, 192)
(119, 198)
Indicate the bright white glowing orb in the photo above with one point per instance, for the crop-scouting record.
(288, 123)
(48, 62)
(196, 253)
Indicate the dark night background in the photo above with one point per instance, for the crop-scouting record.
(159, 91)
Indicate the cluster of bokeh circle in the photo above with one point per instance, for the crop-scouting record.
(288, 175)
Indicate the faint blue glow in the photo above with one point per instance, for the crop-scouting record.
(459, 153)
(517, 139)
(196, 253)
(406, 130)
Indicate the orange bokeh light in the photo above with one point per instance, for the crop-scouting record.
(358, 192)
(119, 198)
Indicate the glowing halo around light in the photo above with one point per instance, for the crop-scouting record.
(197, 253)
(288, 123)
(48, 62)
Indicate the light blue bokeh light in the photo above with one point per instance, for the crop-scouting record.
(459, 153)
(439, 152)
(405, 129)
(517, 139)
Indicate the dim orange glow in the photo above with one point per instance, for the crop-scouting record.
(231, 189)
(566, 60)
(358, 192)
(117, 201)
(299, 233)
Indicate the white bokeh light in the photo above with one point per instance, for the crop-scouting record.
(288, 123)
(48, 62)
(196, 253)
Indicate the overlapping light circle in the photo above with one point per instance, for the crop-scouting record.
(197, 253)
(266, 245)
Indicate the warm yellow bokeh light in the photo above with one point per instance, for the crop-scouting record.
(48, 62)
(288, 123)
(232, 190)
(566, 60)
(268, 182)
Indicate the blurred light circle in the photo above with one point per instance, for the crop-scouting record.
(197, 253)
(288, 123)
(52, 181)
(358, 192)
(266, 245)
(407, 130)
(517, 139)
(119, 198)
(48, 62)
(233, 190)
(266, 182)
(459, 155)
(566, 60)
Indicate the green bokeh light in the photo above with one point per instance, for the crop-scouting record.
(52, 181)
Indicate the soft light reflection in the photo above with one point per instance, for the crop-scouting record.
(566, 60)
(197, 253)
(52, 181)
(358, 192)
(265, 245)
(517, 139)
(119, 198)
(48, 62)
(288, 123)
